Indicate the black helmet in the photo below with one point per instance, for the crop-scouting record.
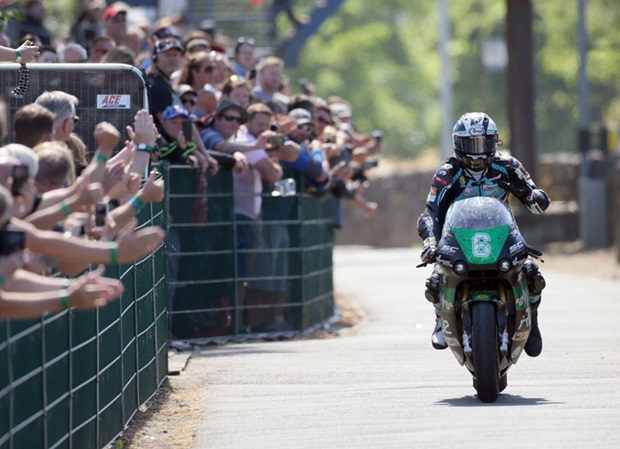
(475, 140)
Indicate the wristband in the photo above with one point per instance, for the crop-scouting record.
(113, 253)
(102, 157)
(2, 280)
(64, 299)
(145, 147)
(18, 56)
(137, 202)
(64, 208)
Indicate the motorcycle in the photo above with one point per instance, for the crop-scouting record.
(486, 316)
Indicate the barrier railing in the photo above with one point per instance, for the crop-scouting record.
(223, 286)
(75, 379)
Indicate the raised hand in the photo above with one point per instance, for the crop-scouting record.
(517, 182)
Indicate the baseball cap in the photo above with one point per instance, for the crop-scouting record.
(167, 44)
(227, 104)
(193, 43)
(185, 89)
(340, 110)
(114, 9)
(302, 116)
(174, 111)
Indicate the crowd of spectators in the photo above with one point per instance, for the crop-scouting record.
(214, 104)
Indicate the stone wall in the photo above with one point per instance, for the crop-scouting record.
(401, 198)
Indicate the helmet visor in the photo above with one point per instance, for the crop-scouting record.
(478, 144)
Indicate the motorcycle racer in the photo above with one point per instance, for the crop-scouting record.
(477, 169)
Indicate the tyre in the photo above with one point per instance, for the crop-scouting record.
(485, 351)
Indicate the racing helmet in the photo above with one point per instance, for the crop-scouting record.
(475, 140)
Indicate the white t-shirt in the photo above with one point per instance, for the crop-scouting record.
(249, 185)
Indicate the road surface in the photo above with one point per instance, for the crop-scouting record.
(385, 387)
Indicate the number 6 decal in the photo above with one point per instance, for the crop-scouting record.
(480, 245)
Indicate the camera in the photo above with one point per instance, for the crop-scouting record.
(377, 135)
(187, 130)
(20, 176)
(276, 141)
(371, 163)
(359, 174)
(11, 240)
(101, 210)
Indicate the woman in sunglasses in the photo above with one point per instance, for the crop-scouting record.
(198, 72)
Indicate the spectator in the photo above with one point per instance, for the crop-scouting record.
(311, 161)
(120, 55)
(115, 22)
(244, 58)
(248, 188)
(72, 53)
(56, 169)
(188, 97)
(198, 72)
(136, 40)
(224, 124)
(172, 144)
(33, 124)
(269, 79)
(99, 47)
(167, 55)
(223, 70)
(33, 22)
(87, 23)
(238, 90)
(63, 106)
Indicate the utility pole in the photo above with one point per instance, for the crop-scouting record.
(447, 119)
(520, 80)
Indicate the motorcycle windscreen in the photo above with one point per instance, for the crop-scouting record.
(481, 227)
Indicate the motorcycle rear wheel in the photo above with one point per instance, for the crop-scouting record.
(485, 351)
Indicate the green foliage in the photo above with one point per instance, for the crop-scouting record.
(383, 57)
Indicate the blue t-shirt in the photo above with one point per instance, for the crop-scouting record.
(210, 138)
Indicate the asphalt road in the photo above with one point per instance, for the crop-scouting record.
(385, 387)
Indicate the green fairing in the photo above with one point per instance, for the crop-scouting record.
(521, 296)
(448, 299)
(482, 246)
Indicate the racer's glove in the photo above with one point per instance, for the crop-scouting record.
(517, 184)
(429, 251)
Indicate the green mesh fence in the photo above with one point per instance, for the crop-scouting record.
(75, 379)
(280, 281)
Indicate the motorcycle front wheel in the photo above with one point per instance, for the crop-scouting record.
(485, 351)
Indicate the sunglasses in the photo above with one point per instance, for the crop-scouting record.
(230, 118)
(324, 121)
(247, 40)
(307, 128)
(188, 101)
(75, 119)
(209, 68)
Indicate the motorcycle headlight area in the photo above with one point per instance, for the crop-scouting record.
(504, 265)
(460, 267)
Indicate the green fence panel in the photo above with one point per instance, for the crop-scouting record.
(75, 379)
(289, 268)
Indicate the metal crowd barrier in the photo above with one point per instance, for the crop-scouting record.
(75, 379)
(216, 288)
